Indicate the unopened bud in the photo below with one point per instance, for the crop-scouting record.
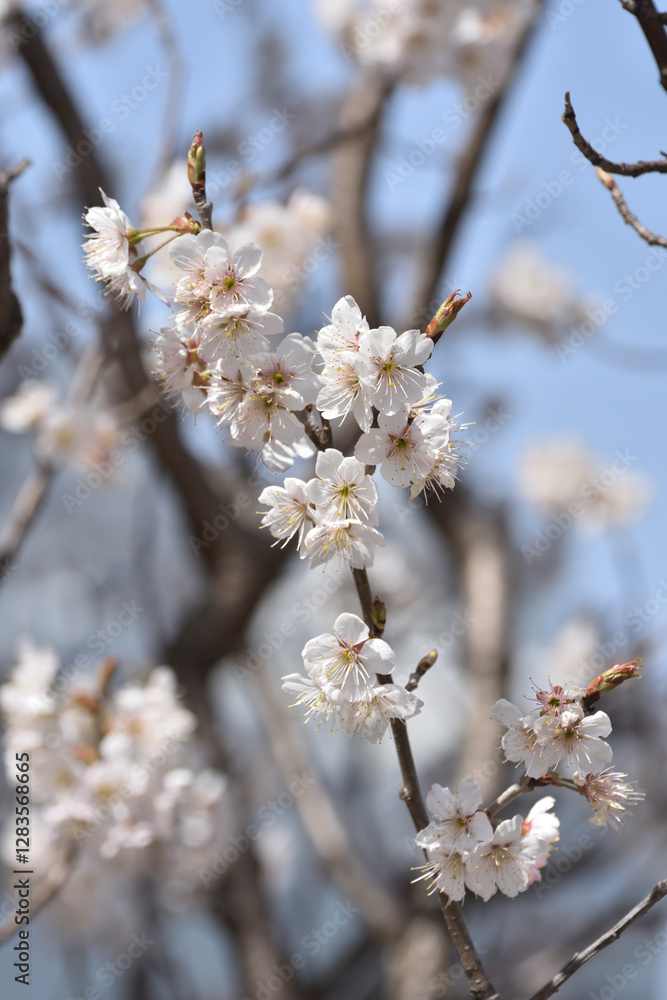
(185, 224)
(446, 314)
(611, 679)
(606, 179)
(197, 162)
(379, 616)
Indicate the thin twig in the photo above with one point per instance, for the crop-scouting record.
(11, 316)
(581, 957)
(631, 220)
(643, 9)
(583, 145)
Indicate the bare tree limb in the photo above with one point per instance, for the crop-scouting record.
(581, 957)
(652, 24)
(631, 220)
(11, 316)
(623, 169)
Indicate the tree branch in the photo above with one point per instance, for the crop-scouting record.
(631, 220)
(581, 957)
(652, 24)
(584, 146)
(11, 316)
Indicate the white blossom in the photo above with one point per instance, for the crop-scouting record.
(405, 451)
(500, 863)
(573, 740)
(342, 489)
(343, 332)
(458, 822)
(388, 363)
(344, 390)
(349, 659)
(290, 511)
(348, 541)
(230, 339)
(608, 795)
(286, 372)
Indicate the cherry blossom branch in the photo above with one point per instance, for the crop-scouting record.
(642, 9)
(581, 957)
(480, 986)
(631, 220)
(11, 316)
(584, 146)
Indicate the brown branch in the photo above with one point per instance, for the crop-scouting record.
(584, 146)
(27, 505)
(525, 784)
(631, 220)
(11, 316)
(581, 957)
(480, 986)
(437, 254)
(652, 24)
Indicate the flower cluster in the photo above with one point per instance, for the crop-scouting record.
(560, 737)
(64, 433)
(464, 851)
(422, 40)
(115, 772)
(561, 477)
(341, 684)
